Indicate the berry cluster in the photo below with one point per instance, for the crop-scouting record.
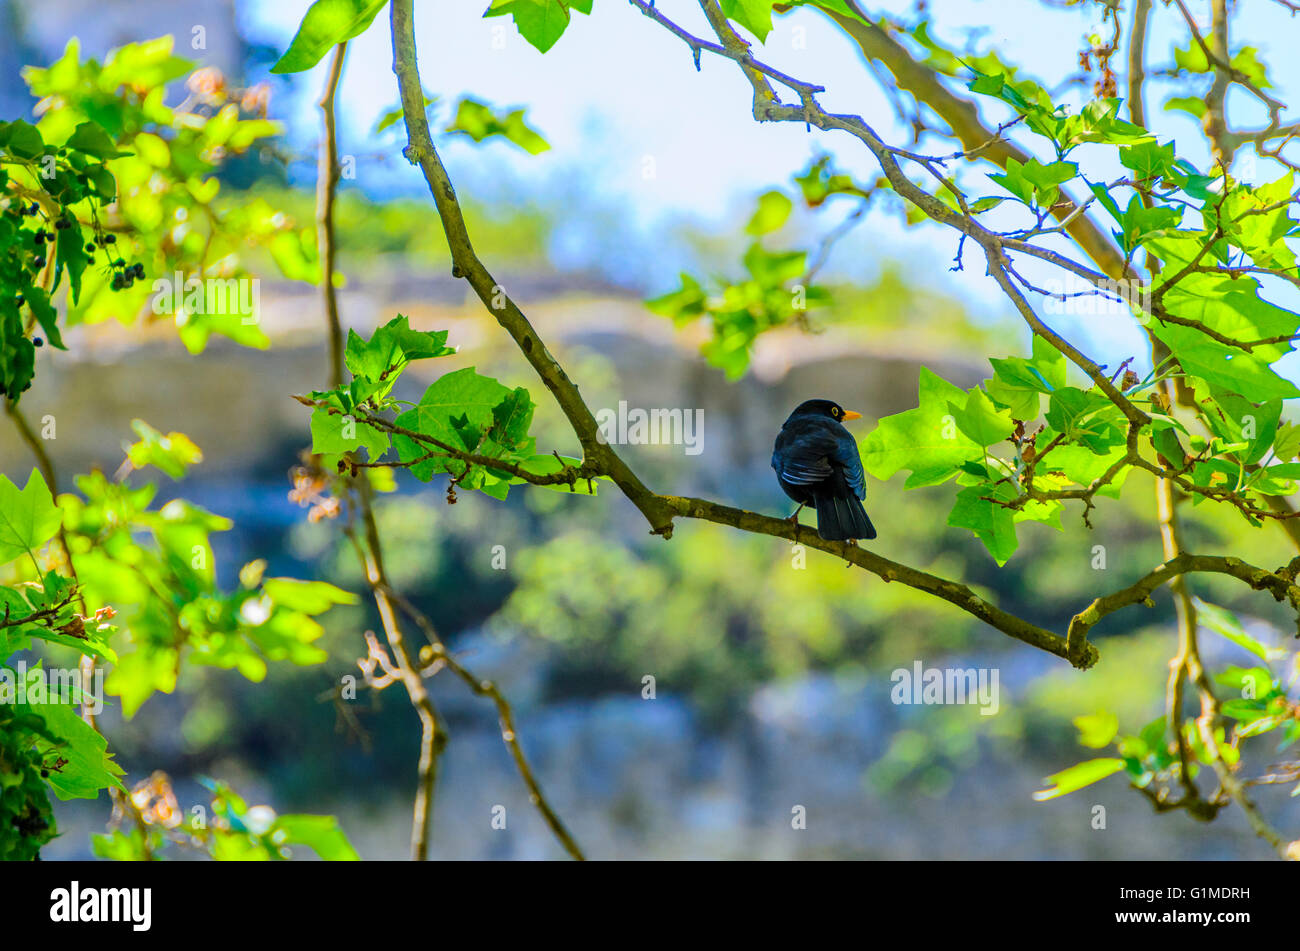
(127, 276)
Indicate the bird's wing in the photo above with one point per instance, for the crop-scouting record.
(846, 456)
(803, 458)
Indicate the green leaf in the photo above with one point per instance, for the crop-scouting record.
(478, 121)
(754, 15)
(1152, 734)
(979, 419)
(382, 358)
(540, 22)
(73, 257)
(1190, 104)
(1141, 223)
(1076, 777)
(1221, 365)
(91, 139)
(1192, 59)
(319, 833)
(173, 453)
(1258, 680)
(309, 597)
(1035, 183)
(1247, 61)
(771, 214)
(993, 524)
(1098, 121)
(121, 846)
(1164, 438)
(39, 301)
(1287, 443)
(1225, 624)
(90, 767)
(1148, 160)
(925, 440)
(21, 139)
(1085, 417)
(341, 432)
(1231, 307)
(28, 518)
(142, 672)
(1017, 382)
(471, 413)
(1097, 730)
(327, 23)
(1235, 419)
(682, 305)
(772, 269)
(1257, 220)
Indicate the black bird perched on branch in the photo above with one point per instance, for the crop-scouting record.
(817, 463)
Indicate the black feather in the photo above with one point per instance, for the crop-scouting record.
(817, 463)
(840, 516)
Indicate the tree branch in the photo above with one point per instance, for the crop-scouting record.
(1137, 43)
(465, 263)
(432, 737)
(660, 510)
(327, 183)
(963, 119)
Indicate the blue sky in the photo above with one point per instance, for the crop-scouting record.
(618, 93)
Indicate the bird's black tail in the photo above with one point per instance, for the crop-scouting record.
(842, 517)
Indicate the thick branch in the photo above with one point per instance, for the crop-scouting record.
(1137, 43)
(420, 151)
(951, 591)
(327, 182)
(661, 509)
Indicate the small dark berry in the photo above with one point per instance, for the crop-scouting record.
(40, 237)
(37, 341)
(110, 239)
(19, 300)
(45, 773)
(90, 248)
(62, 223)
(40, 261)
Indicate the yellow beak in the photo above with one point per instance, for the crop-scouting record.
(849, 414)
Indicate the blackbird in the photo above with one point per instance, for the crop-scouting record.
(817, 463)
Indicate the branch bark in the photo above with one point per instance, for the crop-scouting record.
(432, 736)
(599, 458)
